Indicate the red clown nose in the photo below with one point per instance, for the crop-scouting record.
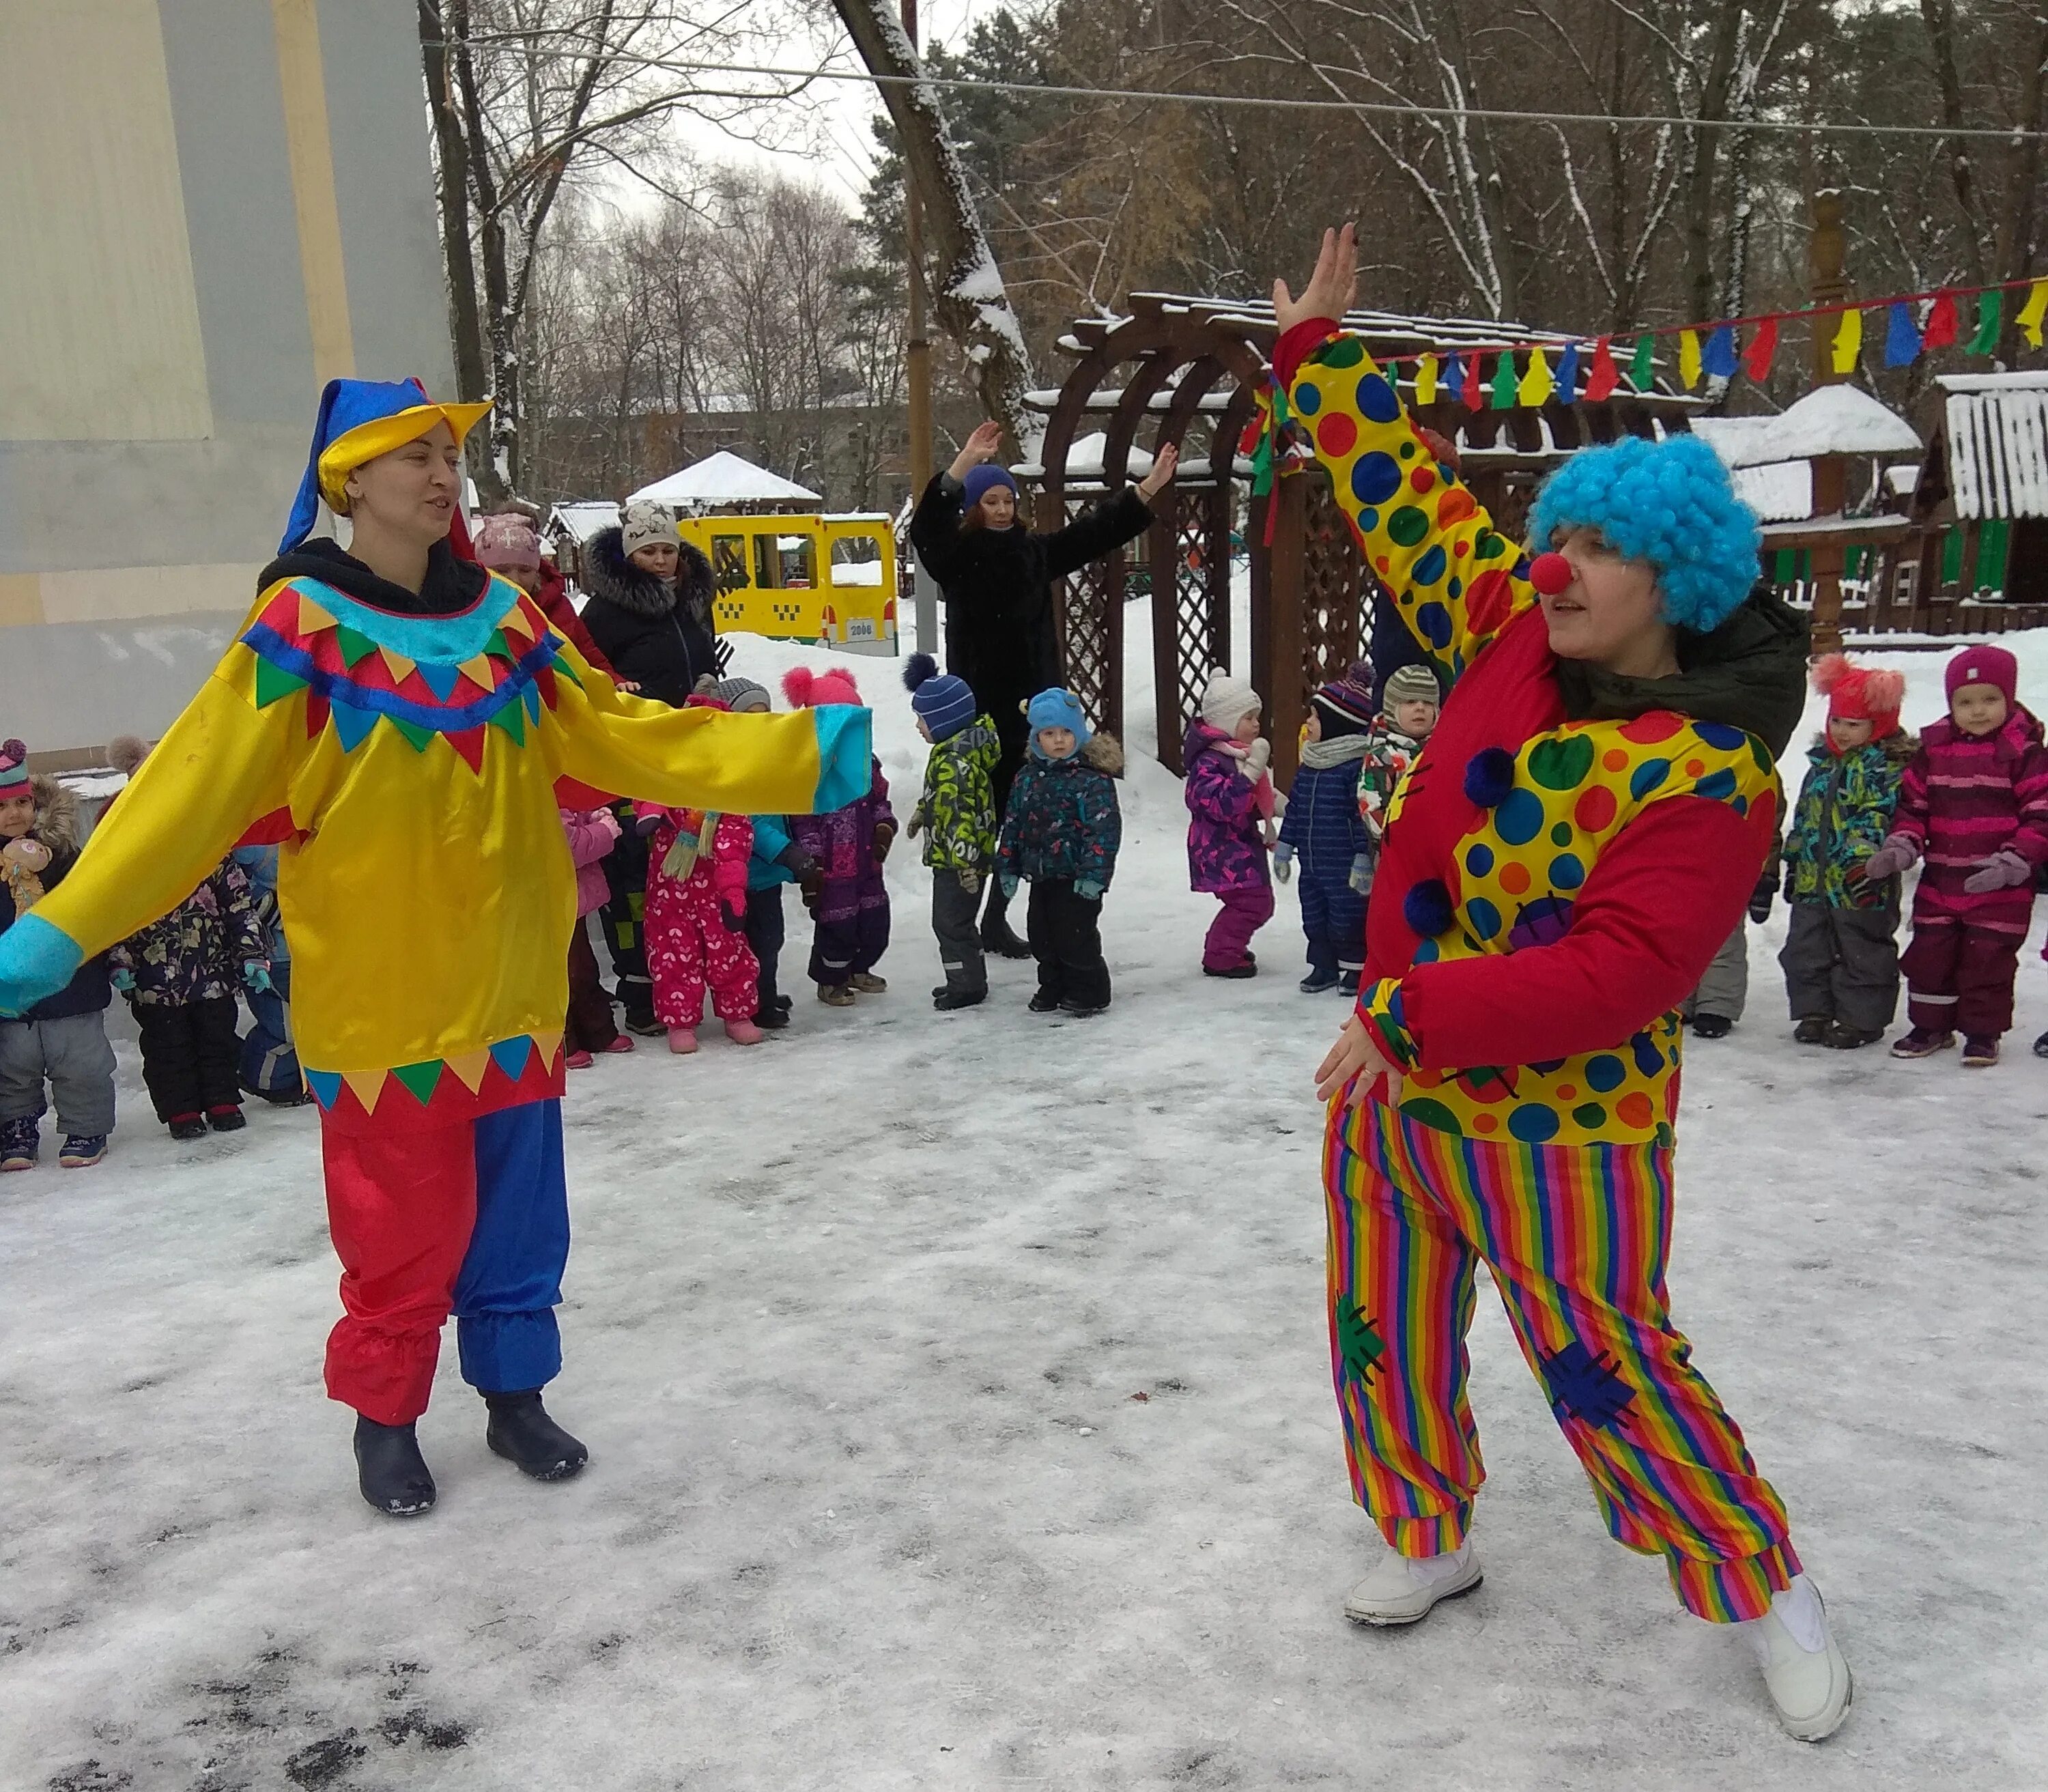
(1550, 573)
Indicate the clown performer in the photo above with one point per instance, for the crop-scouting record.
(1577, 838)
(407, 725)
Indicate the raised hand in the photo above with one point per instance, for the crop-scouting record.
(1163, 465)
(984, 444)
(1330, 288)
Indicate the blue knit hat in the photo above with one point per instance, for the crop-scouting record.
(944, 703)
(1057, 708)
(1669, 503)
(987, 475)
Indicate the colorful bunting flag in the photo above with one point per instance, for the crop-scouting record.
(1503, 397)
(1689, 359)
(1901, 341)
(1990, 320)
(1425, 379)
(2031, 313)
(1762, 351)
(1605, 376)
(1643, 364)
(1720, 359)
(1537, 384)
(1469, 390)
(1848, 342)
(1941, 327)
(1568, 374)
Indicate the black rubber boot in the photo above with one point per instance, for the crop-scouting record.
(521, 1432)
(997, 935)
(390, 1470)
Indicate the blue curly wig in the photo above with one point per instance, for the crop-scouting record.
(1670, 503)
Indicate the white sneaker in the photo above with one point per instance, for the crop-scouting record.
(1803, 1670)
(1402, 1589)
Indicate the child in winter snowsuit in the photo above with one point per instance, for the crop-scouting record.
(1062, 831)
(590, 1028)
(776, 860)
(956, 812)
(270, 1068)
(1231, 799)
(181, 975)
(696, 919)
(1841, 950)
(1974, 804)
(61, 1040)
(851, 907)
(1323, 828)
(1409, 702)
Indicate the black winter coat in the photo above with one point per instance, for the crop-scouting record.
(997, 585)
(656, 636)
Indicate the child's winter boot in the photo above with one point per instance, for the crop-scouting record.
(1843, 1037)
(1920, 1042)
(682, 1039)
(866, 983)
(744, 1033)
(227, 1117)
(81, 1150)
(836, 995)
(1980, 1051)
(20, 1143)
(185, 1127)
(1812, 1030)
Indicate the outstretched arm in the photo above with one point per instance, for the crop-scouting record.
(222, 767)
(1456, 581)
(807, 761)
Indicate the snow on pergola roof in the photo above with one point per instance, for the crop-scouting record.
(1829, 420)
(1997, 426)
(581, 518)
(724, 478)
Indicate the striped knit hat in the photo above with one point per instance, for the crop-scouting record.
(1345, 704)
(741, 694)
(944, 703)
(1410, 684)
(13, 770)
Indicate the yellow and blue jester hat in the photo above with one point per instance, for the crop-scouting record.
(359, 419)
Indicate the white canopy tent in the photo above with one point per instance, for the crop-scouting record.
(721, 480)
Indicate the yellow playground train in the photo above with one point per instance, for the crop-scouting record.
(828, 581)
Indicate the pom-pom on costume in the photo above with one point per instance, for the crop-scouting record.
(412, 753)
(1560, 864)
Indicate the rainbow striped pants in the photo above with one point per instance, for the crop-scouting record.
(1577, 1239)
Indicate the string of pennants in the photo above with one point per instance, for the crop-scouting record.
(1592, 370)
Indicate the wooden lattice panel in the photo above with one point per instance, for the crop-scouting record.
(1090, 613)
(1336, 603)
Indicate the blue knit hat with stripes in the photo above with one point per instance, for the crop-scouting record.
(944, 703)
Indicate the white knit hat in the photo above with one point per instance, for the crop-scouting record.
(1228, 700)
(646, 524)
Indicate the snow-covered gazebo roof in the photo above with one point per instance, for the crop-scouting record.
(722, 479)
(1829, 420)
(581, 518)
(1997, 430)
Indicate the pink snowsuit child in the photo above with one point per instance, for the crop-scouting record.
(695, 923)
(592, 833)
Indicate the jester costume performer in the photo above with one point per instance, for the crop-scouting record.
(1560, 862)
(410, 752)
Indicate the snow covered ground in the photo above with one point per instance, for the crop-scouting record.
(958, 1395)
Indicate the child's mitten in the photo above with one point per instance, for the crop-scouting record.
(1761, 897)
(256, 974)
(1088, 889)
(1258, 757)
(970, 881)
(1895, 856)
(2004, 870)
(884, 833)
(1283, 862)
(1361, 873)
(732, 909)
(1009, 884)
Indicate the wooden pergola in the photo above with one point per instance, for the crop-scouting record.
(1186, 371)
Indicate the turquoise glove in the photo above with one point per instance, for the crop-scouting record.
(256, 974)
(1088, 889)
(36, 959)
(122, 980)
(1009, 883)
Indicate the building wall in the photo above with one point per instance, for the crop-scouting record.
(212, 206)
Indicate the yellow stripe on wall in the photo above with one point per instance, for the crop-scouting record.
(297, 25)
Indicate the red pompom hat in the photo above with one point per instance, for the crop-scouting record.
(1860, 693)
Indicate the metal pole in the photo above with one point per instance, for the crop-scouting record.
(918, 371)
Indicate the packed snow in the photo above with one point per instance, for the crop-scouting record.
(957, 1391)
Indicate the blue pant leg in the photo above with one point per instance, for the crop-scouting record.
(1345, 909)
(1316, 924)
(511, 1275)
(270, 1061)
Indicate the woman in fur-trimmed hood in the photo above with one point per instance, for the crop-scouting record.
(649, 605)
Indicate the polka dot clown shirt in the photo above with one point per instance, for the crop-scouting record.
(1552, 889)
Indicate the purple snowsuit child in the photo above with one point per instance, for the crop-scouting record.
(1229, 804)
(851, 906)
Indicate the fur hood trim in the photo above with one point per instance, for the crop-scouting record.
(611, 576)
(1104, 753)
(56, 824)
